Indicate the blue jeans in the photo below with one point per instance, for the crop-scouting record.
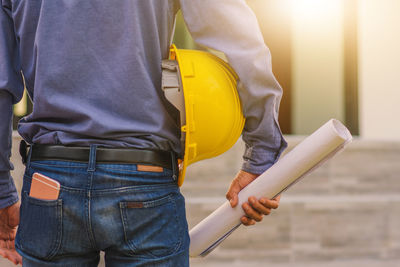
(137, 218)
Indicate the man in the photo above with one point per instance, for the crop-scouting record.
(102, 128)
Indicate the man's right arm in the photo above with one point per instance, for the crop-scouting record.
(11, 89)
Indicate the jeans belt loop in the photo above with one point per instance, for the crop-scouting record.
(92, 158)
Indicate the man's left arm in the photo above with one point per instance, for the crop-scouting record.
(231, 26)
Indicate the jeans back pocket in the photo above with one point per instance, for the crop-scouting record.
(152, 227)
(40, 229)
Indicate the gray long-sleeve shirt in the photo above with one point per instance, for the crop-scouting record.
(93, 71)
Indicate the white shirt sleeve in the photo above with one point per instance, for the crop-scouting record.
(231, 27)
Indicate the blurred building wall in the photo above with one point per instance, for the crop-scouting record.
(317, 68)
(379, 59)
(318, 63)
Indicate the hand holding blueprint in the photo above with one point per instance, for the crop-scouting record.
(320, 146)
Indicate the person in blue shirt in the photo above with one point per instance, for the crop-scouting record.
(102, 128)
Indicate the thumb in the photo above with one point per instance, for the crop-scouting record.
(232, 194)
(234, 201)
(241, 180)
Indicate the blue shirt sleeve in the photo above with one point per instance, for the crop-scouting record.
(11, 89)
(230, 26)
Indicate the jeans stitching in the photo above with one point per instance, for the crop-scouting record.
(150, 204)
(126, 189)
(133, 189)
(122, 207)
(59, 230)
(133, 171)
(88, 221)
(179, 243)
(56, 243)
(62, 187)
(83, 166)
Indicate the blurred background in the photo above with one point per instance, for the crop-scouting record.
(334, 59)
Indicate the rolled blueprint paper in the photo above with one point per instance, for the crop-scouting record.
(324, 143)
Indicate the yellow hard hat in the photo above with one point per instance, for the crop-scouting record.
(204, 88)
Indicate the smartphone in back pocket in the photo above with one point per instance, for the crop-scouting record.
(43, 187)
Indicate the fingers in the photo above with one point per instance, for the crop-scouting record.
(269, 203)
(260, 206)
(247, 221)
(9, 219)
(256, 209)
(11, 254)
(17, 258)
(251, 212)
(278, 198)
(241, 180)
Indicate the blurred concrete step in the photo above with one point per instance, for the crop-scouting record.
(364, 167)
(348, 209)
